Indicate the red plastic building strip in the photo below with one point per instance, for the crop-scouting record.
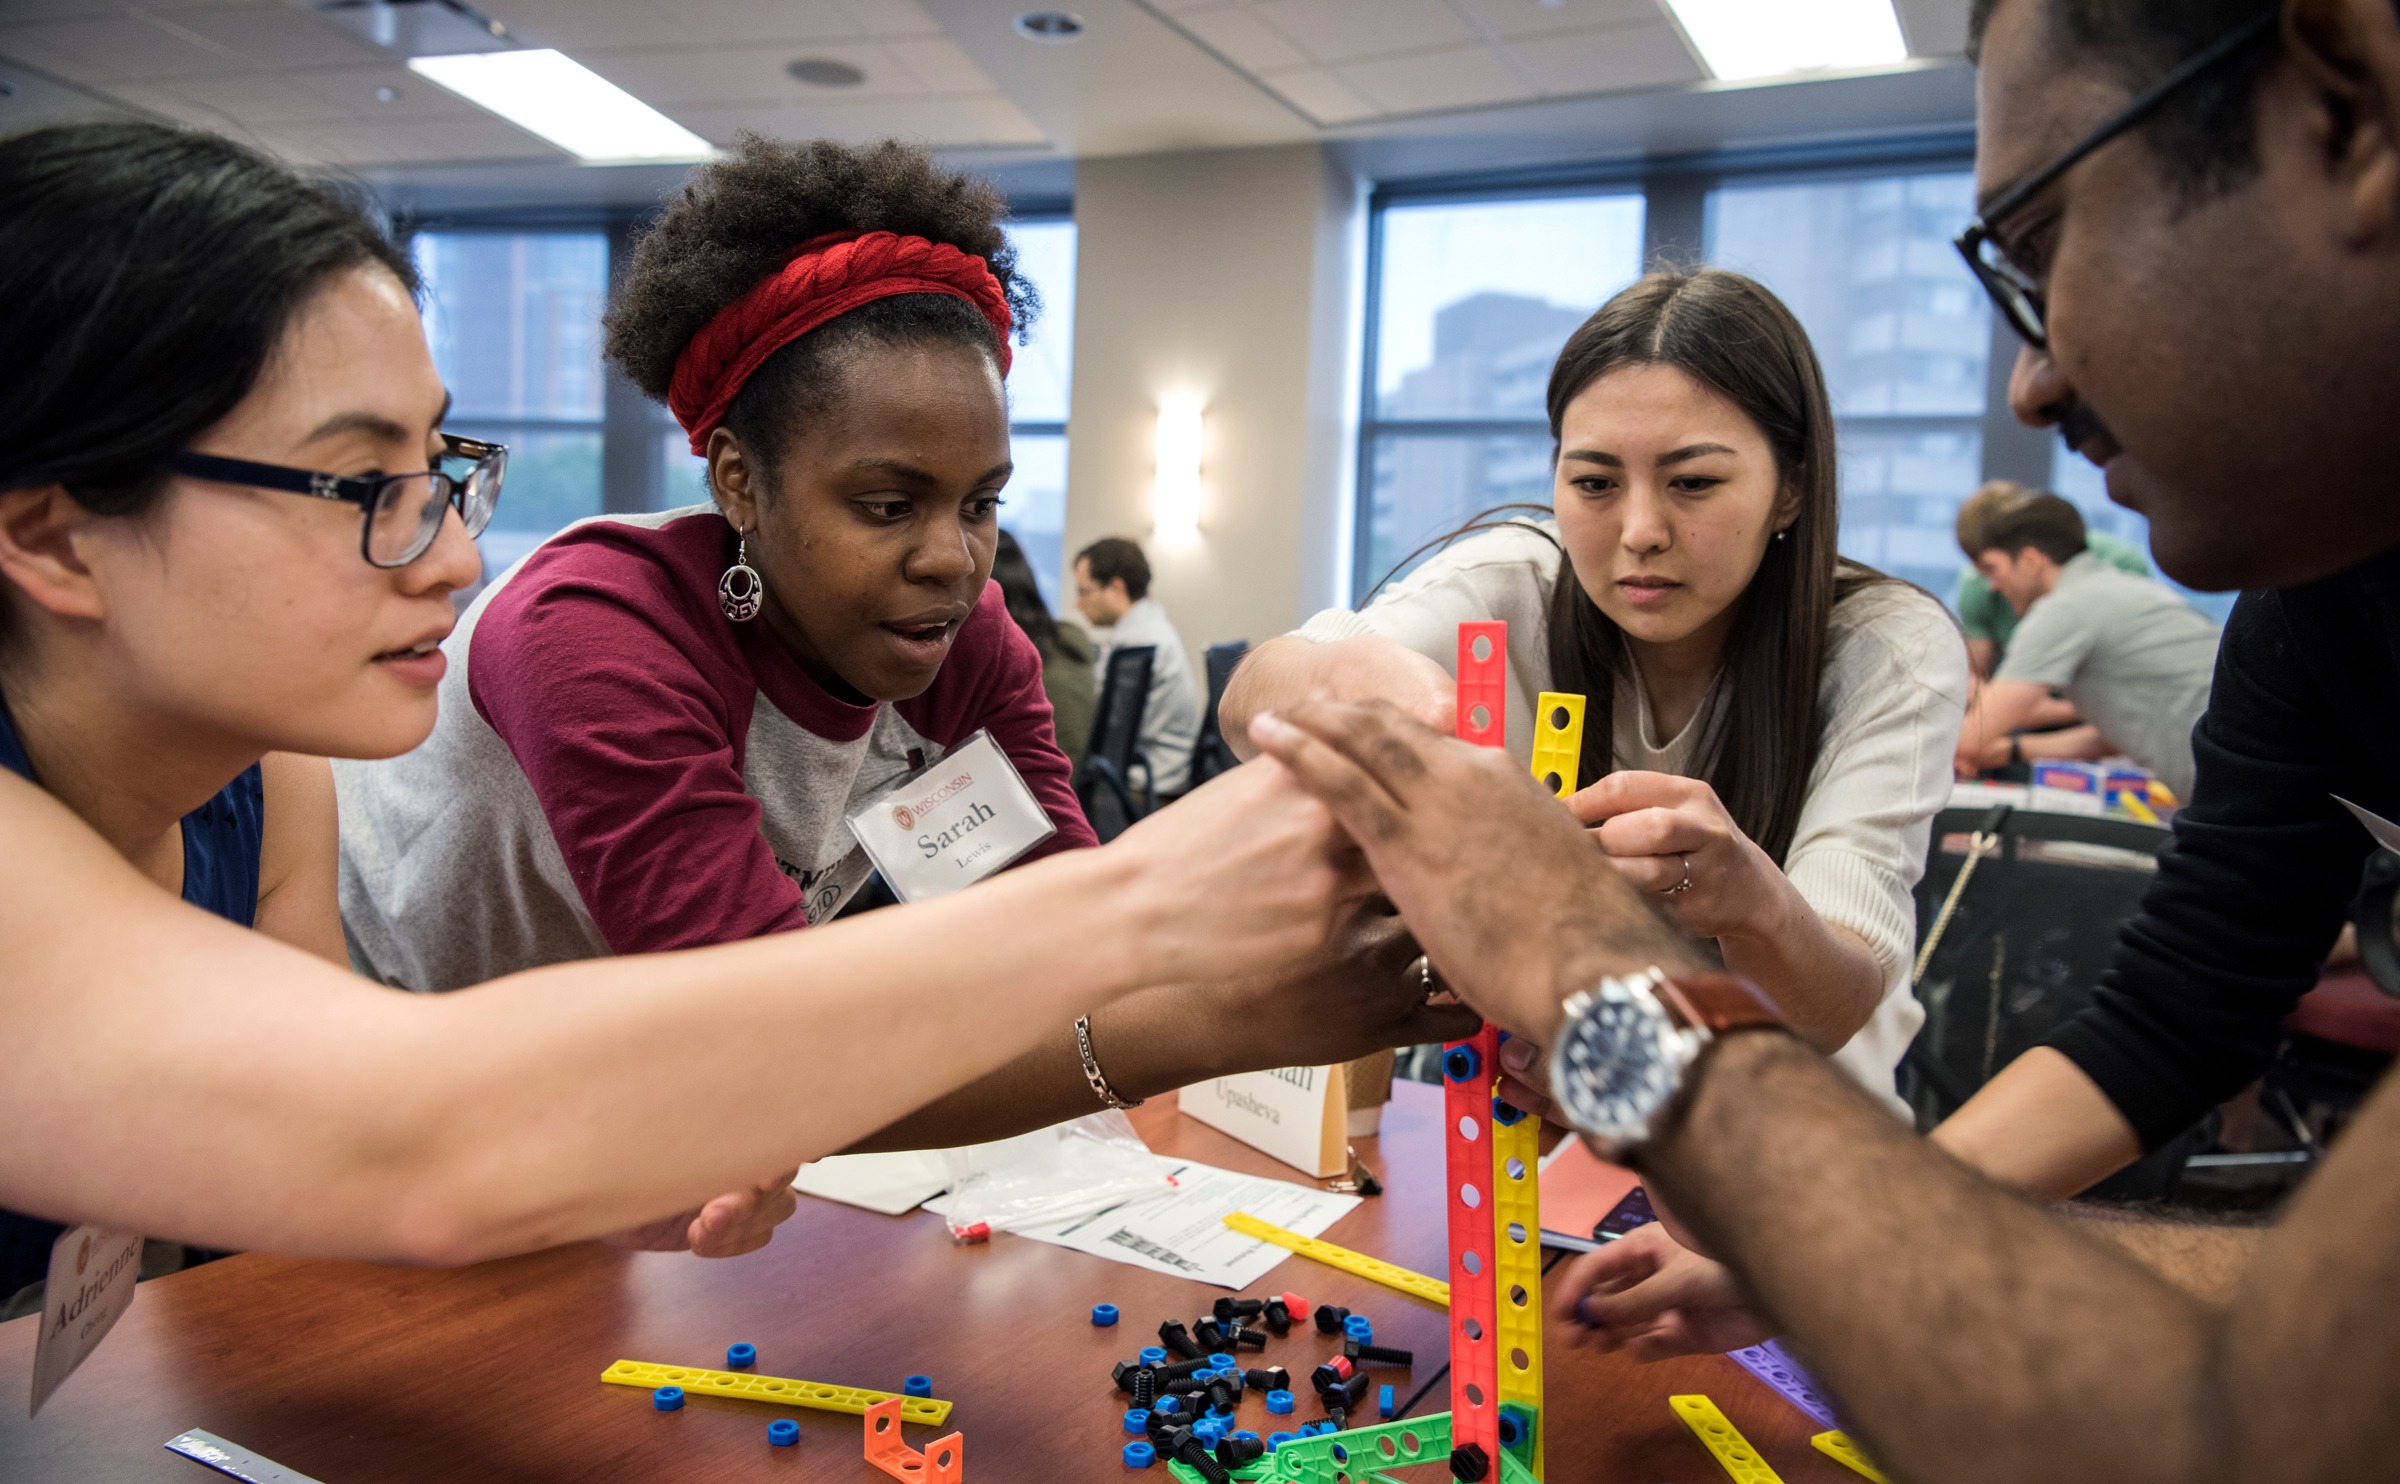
(1483, 683)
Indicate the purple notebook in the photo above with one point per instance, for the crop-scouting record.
(1769, 1364)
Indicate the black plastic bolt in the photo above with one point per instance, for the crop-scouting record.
(1209, 1333)
(1223, 1397)
(1354, 1390)
(1381, 1354)
(1181, 1445)
(1279, 1316)
(1125, 1372)
(1145, 1387)
(1273, 1378)
(1468, 1462)
(1183, 1368)
(1339, 1417)
(1183, 1386)
(1256, 1339)
(1330, 1317)
(1178, 1341)
(1235, 1452)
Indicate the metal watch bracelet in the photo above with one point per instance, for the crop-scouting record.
(1091, 1067)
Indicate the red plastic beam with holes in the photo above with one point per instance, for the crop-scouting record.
(1468, 1073)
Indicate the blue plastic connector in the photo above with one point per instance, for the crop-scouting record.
(1280, 1403)
(783, 1432)
(667, 1398)
(1104, 1315)
(918, 1386)
(1357, 1327)
(1386, 1403)
(1153, 1355)
(1168, 1406)
(1140, 1455)
(1276, 1440)
(740, 1357)
(1246, 1435)
(1137, 1420)
(1224, 1362)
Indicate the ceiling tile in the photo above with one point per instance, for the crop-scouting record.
(159, 99)
(1461, 77)
(577, 26)
(116, 46)
(40, 47)
(1243, 39)
(941, 66)
(998, 120)
(928, 121)
(1338, 30)
(1613, 60)
(753, 73)
(894, 18)
(1315, 91)
(1517, 18)
(260, 99)
(725, 21)
(352, 91)
(1182, 7)
(272, 35)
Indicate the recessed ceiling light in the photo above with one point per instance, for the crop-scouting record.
(551, 94)
(1049, 25)
(824, 72)
(1744, 39)
(387, 95)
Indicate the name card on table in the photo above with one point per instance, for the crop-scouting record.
(1300, 1115)
(91, 1280)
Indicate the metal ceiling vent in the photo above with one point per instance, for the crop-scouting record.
(824, 72)
(419, 28)
(1049, 25)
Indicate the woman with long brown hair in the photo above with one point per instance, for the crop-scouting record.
(1768, 724)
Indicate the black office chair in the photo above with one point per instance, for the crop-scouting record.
(1113, 780)
(1210, 755)
(2020, 951)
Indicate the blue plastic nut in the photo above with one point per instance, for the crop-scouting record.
(1137, 1420)
(1357, 1328)
(918, 1386)
(1280, 1403)
(783, 1432)
(1247, 1436)
(1140, 1455)
(1154, 1355)
(1104, 1315)
(1167, 1406)
(1224, 1362)
(740, 1357)
(667, 1398)
(1276, 1440)
(1460, 1063)
(1387, 1403)
(1209, 1430)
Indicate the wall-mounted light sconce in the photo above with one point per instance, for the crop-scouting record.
(1176, 498)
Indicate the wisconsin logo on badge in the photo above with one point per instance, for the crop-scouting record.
(904, 816)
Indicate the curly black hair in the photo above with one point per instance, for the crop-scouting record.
(738, 219)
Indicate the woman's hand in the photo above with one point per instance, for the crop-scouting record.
(1358, 995)
(742, 1221)
(1648, 1294)
(1663, 831)
(1245, 875)
(1285, 671)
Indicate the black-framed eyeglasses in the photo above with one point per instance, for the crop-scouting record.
(401, 514)
(2017, 290)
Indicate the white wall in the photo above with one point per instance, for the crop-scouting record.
(1231, 275)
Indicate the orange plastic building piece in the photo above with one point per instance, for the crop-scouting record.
(944, 1460)
(1483, 683)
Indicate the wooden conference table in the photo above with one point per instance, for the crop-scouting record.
(356, 1374)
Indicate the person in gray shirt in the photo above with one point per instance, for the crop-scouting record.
(2133, 658)
(1112, 588)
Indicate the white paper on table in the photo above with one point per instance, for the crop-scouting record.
(1183, 1233)
(2385, 832)
(889, 1183)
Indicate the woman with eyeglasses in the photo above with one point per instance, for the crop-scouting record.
(657, 728)
(230, 529)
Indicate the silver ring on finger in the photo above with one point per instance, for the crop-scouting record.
(1680, 887)
(1436, 992)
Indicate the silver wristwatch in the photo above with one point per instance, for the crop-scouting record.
(1625, 1045)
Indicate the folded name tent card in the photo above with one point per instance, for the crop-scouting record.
(1300, 1115)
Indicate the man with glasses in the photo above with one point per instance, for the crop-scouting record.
(2192, 214)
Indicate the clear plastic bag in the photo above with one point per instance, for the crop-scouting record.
(1052, 1174)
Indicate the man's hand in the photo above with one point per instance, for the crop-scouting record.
(1511, 899)
(732, 1224)
(1352, 998)
(1648, 1294)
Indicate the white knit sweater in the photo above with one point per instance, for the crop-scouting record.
(1894, 691)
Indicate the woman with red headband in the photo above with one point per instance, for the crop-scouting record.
(657, 728)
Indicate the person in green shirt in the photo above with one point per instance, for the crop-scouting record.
(1985, 615)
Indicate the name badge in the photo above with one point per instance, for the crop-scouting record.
(91, 1280)
(953, 824)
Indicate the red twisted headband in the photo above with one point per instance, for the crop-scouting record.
(828, 276)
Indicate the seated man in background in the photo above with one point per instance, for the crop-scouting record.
(2131, 657)
(1112, 588)
(1986, 616)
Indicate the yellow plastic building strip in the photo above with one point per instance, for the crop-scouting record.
(1733, 1451)
(1557, 741)
(1517, 1274)
(1373, 1269)
(1839, 1448)
(743, 1386)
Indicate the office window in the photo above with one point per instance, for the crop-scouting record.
(1904, 335)
(1040, 381)
(514, 322)
(1472, 301)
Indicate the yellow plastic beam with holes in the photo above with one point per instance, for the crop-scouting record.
(1839, 1448)
(1517, 1273)
(1373, 1269)
(1557, 741)
(743, 1386)
(1733, 1451)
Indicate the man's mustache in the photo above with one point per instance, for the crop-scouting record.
(2079, 426)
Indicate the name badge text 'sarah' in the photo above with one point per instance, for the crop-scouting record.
(952, 824)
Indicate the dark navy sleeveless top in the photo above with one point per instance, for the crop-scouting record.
(220, 874)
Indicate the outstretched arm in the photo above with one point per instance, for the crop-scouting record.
(1282, 672)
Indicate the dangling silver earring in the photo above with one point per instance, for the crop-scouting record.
(739, 590)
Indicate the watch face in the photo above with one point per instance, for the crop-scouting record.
(1620, 1062)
